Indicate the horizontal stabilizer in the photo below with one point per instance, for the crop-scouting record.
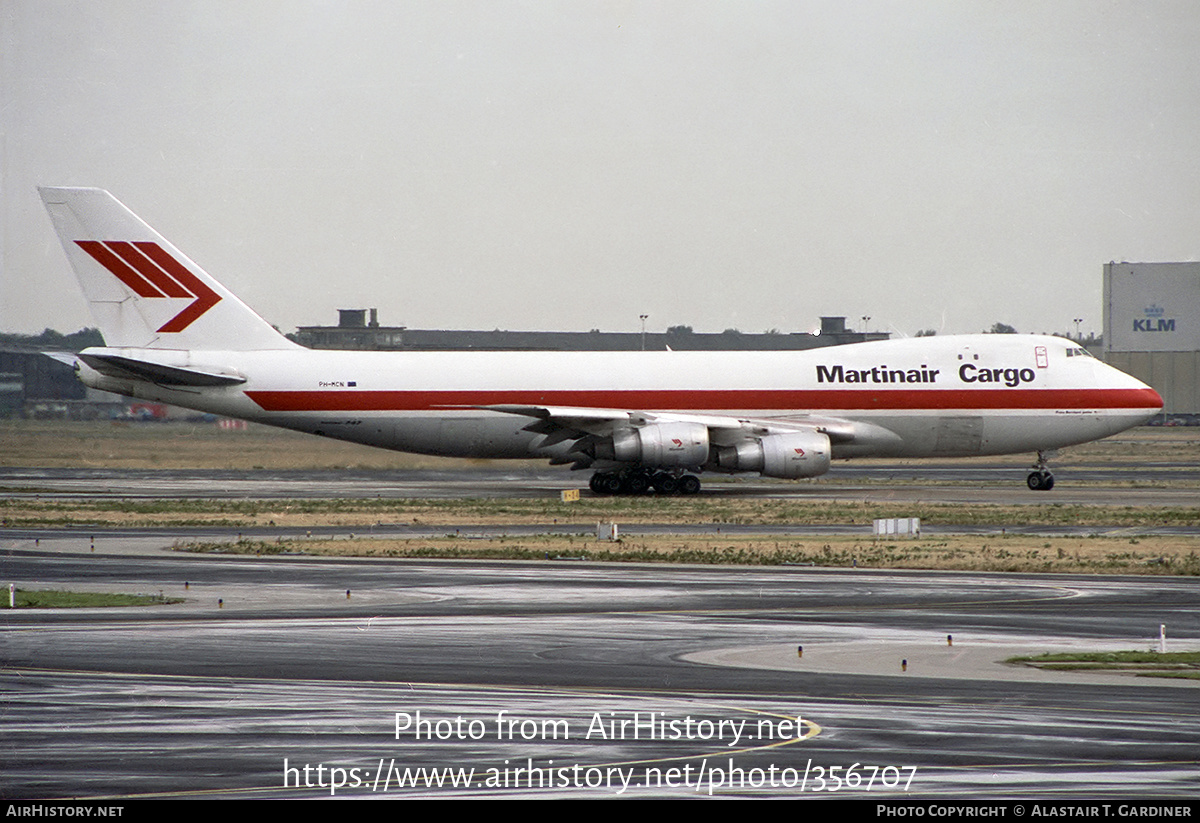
(64, 357)
(124, 368)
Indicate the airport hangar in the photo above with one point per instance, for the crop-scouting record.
(1152, 330)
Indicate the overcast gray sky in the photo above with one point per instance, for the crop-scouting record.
(542, 165)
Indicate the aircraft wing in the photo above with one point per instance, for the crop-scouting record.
(586, 427)
(602, 421)
(551, 419)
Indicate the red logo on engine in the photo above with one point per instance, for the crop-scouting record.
(677, 441)
(150, 272)
(800, 452)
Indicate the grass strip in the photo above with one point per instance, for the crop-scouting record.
(17, 512)
(1185, 665)
(54, 599)
(992, 553)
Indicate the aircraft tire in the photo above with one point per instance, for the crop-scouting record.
(635, 483)
(665, 483)
(1040, 481)
(605, 483)
(689, 484)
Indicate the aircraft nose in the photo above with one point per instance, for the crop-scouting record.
(1158, 401)
(1144, 399)
(1132, 402)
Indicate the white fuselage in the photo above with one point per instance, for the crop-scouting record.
(939, 396)
(639, 418)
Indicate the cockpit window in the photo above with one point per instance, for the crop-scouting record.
(1078, 352)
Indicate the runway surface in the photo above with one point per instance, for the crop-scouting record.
(515, 665)
(305, 677)
(1156, 484)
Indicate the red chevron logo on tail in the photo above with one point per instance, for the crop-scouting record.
(151, 272)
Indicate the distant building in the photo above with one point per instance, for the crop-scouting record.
(355, 331)
(34, 385)
(1152, 328)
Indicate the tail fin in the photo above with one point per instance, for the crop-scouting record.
(142, 291)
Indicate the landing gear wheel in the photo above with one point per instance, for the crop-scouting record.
(1040, 481)
(635, 483)
(689, 484)
(605, 483)
(665, 483)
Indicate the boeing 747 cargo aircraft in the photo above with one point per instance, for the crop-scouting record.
(639, 420)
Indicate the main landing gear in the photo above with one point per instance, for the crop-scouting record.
(1040, 479)
(640, 481)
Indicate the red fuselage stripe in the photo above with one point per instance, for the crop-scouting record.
(351, 400)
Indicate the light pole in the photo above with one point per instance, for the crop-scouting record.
(865, 320)
(1078, 320)
(643, 319)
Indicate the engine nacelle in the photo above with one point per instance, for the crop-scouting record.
(790, 455)
(661, 444)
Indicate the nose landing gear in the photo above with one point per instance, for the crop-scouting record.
(1040, 479)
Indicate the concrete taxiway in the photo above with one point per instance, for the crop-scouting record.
(594, 679)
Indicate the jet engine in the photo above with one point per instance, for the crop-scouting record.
(663, 445)
(789, 455)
